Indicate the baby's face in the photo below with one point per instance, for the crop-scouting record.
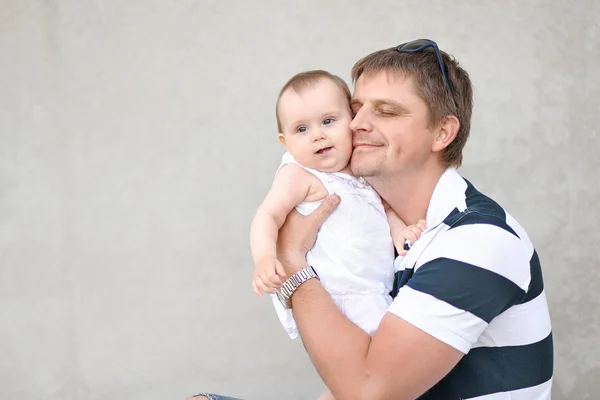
(316, 126)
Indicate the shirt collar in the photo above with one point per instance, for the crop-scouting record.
(449, 193)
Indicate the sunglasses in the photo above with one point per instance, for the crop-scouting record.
(422, 44)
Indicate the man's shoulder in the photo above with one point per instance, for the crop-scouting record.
(476, 231)
(481, 235)
(482, 211)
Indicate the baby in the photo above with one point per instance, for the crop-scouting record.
(354, 252)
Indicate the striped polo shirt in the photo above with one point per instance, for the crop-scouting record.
(473, 280)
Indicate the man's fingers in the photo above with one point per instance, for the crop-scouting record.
(328, 206)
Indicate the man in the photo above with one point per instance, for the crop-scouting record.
(470, 318)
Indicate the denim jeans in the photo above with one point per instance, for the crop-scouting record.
(216, 396)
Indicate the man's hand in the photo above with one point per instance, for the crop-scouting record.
(299, 234)
(268, 276)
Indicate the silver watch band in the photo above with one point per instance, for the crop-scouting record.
(284, 293)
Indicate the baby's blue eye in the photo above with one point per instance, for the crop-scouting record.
(328, 121)
(302, 129)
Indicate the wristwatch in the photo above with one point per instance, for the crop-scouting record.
(284, 293)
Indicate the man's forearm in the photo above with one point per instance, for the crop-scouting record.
(337, 347)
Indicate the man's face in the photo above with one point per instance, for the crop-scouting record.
(391, 127)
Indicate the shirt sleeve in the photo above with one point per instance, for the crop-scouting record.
(465, 277)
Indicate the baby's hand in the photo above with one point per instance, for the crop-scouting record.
(268, 275)
(409, 236)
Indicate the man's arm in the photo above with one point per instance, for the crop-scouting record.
(401, 360)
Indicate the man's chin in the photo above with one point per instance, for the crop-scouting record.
(365, 165)
(357, 167)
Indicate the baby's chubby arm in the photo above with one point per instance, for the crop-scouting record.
(291, 186)
(402, 233)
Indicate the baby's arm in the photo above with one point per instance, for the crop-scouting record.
(397, 227)
(401, 232)
(291, 186)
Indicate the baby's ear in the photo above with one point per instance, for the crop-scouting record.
(281, 138)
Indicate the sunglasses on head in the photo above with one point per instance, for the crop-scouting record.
(422, 44)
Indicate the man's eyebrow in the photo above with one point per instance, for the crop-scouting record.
(390, 103)
(381, 102)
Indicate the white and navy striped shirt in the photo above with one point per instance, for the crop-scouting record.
(473, 280)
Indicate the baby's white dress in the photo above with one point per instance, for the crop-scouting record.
(353, 254)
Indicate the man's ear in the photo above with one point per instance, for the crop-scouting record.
(447, 132)
(281, 138)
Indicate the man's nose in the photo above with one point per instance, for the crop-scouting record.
(360, 122)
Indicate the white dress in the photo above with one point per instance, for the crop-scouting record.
(353, 254)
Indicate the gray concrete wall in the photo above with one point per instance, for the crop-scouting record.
(137, 137)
